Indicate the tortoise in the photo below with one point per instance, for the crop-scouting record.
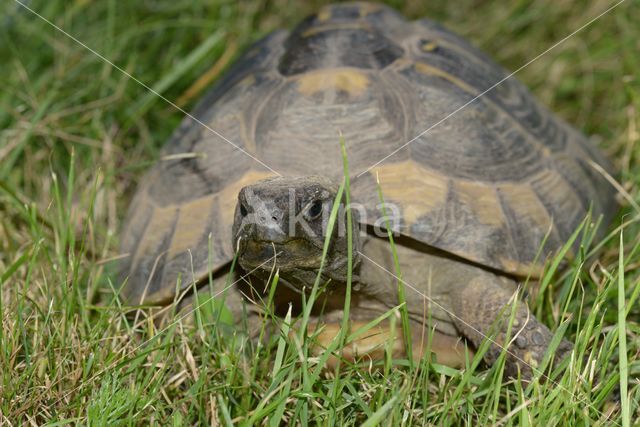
(485, 184)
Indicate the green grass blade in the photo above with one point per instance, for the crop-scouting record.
(344, 327)
(622, 340)
(282, 343)
(379, 415)
(404, 312)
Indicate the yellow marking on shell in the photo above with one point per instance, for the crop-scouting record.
(246, 135)
(416, 189)
(228, 197)
(190, 226)
(160, 224)
(429, 46)
(368, 8)
(482, 199)
(351, 81)
(525, 203)
(522, 269)
(427, 69)
(371, 343)
(191, 216)
(336, 26)
(141, 209)
(469, 57)
(324, 14)
(369, 346)
(250, 80)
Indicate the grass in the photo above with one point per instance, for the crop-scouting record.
(76, 134)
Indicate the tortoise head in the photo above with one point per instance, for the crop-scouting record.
(284, 221)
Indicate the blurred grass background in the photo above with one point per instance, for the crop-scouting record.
(76, 134)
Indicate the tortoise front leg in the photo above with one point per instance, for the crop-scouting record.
(483, 309)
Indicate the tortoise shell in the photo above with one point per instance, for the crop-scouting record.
(489, 174)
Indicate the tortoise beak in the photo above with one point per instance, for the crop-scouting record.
(253, 253)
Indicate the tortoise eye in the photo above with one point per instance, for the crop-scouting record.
(243, 210)
(315, 210)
